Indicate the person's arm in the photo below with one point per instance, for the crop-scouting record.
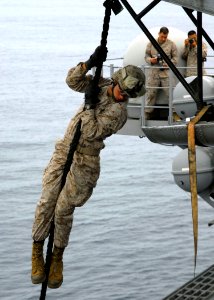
(77, 79)
(186, 49)
(105, 124)
(204, 50)
(174, 54)
(148, 58)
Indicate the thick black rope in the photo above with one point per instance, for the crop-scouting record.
(48, 261)
(70, 156)
(73, 147)
(67, 166)
(103, 41)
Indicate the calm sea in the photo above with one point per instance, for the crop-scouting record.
(133, 238)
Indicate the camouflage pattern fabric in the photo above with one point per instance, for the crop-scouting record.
(190, 55)
(131, 79)
(158, 77)
(106, 119)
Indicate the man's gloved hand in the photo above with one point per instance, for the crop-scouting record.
(98, 57)
(91, 95)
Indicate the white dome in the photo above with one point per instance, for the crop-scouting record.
(204, 166)
(183, 103)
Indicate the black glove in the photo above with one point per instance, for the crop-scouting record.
(91, 95)
(98, 57)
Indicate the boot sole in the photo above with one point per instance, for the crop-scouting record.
(53, 285)
(38, 280)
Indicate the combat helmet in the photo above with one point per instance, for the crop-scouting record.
(131, 79)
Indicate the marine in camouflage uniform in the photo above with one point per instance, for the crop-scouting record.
(190, 54)
(97, 123)
(158, 76)
(107, 118)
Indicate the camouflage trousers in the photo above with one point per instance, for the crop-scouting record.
(151, 93)
(60, 204)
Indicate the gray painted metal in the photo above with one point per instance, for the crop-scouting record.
(183, 104)
(205, 6)
(132, 127)
(199, 288)
(177, 134)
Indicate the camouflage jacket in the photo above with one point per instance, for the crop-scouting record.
(97, 124)
(169, 48)
(190, 55)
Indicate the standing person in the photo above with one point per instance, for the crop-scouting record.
(190, 54)
(100, 118)
(159, 76)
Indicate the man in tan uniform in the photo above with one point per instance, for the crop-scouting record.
(190, 54)
(100, 118)
(158, 76)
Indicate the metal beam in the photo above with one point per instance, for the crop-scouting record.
(199, 59)
(148, 8)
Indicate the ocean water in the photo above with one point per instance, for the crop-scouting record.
(133, 238)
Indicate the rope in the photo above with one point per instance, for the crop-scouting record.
(68, 163)
(104, 36)
(193, 177)
(73, 147)
(48, 261)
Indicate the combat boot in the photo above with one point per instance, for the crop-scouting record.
(55, 277)
(38, 268)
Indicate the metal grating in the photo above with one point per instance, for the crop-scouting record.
(199, 288)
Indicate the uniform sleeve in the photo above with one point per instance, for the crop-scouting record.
(77, 79)
(185, 52)
(174, 54)
(204, 50)
(148, 53)
(194, 50)
(103, 125)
